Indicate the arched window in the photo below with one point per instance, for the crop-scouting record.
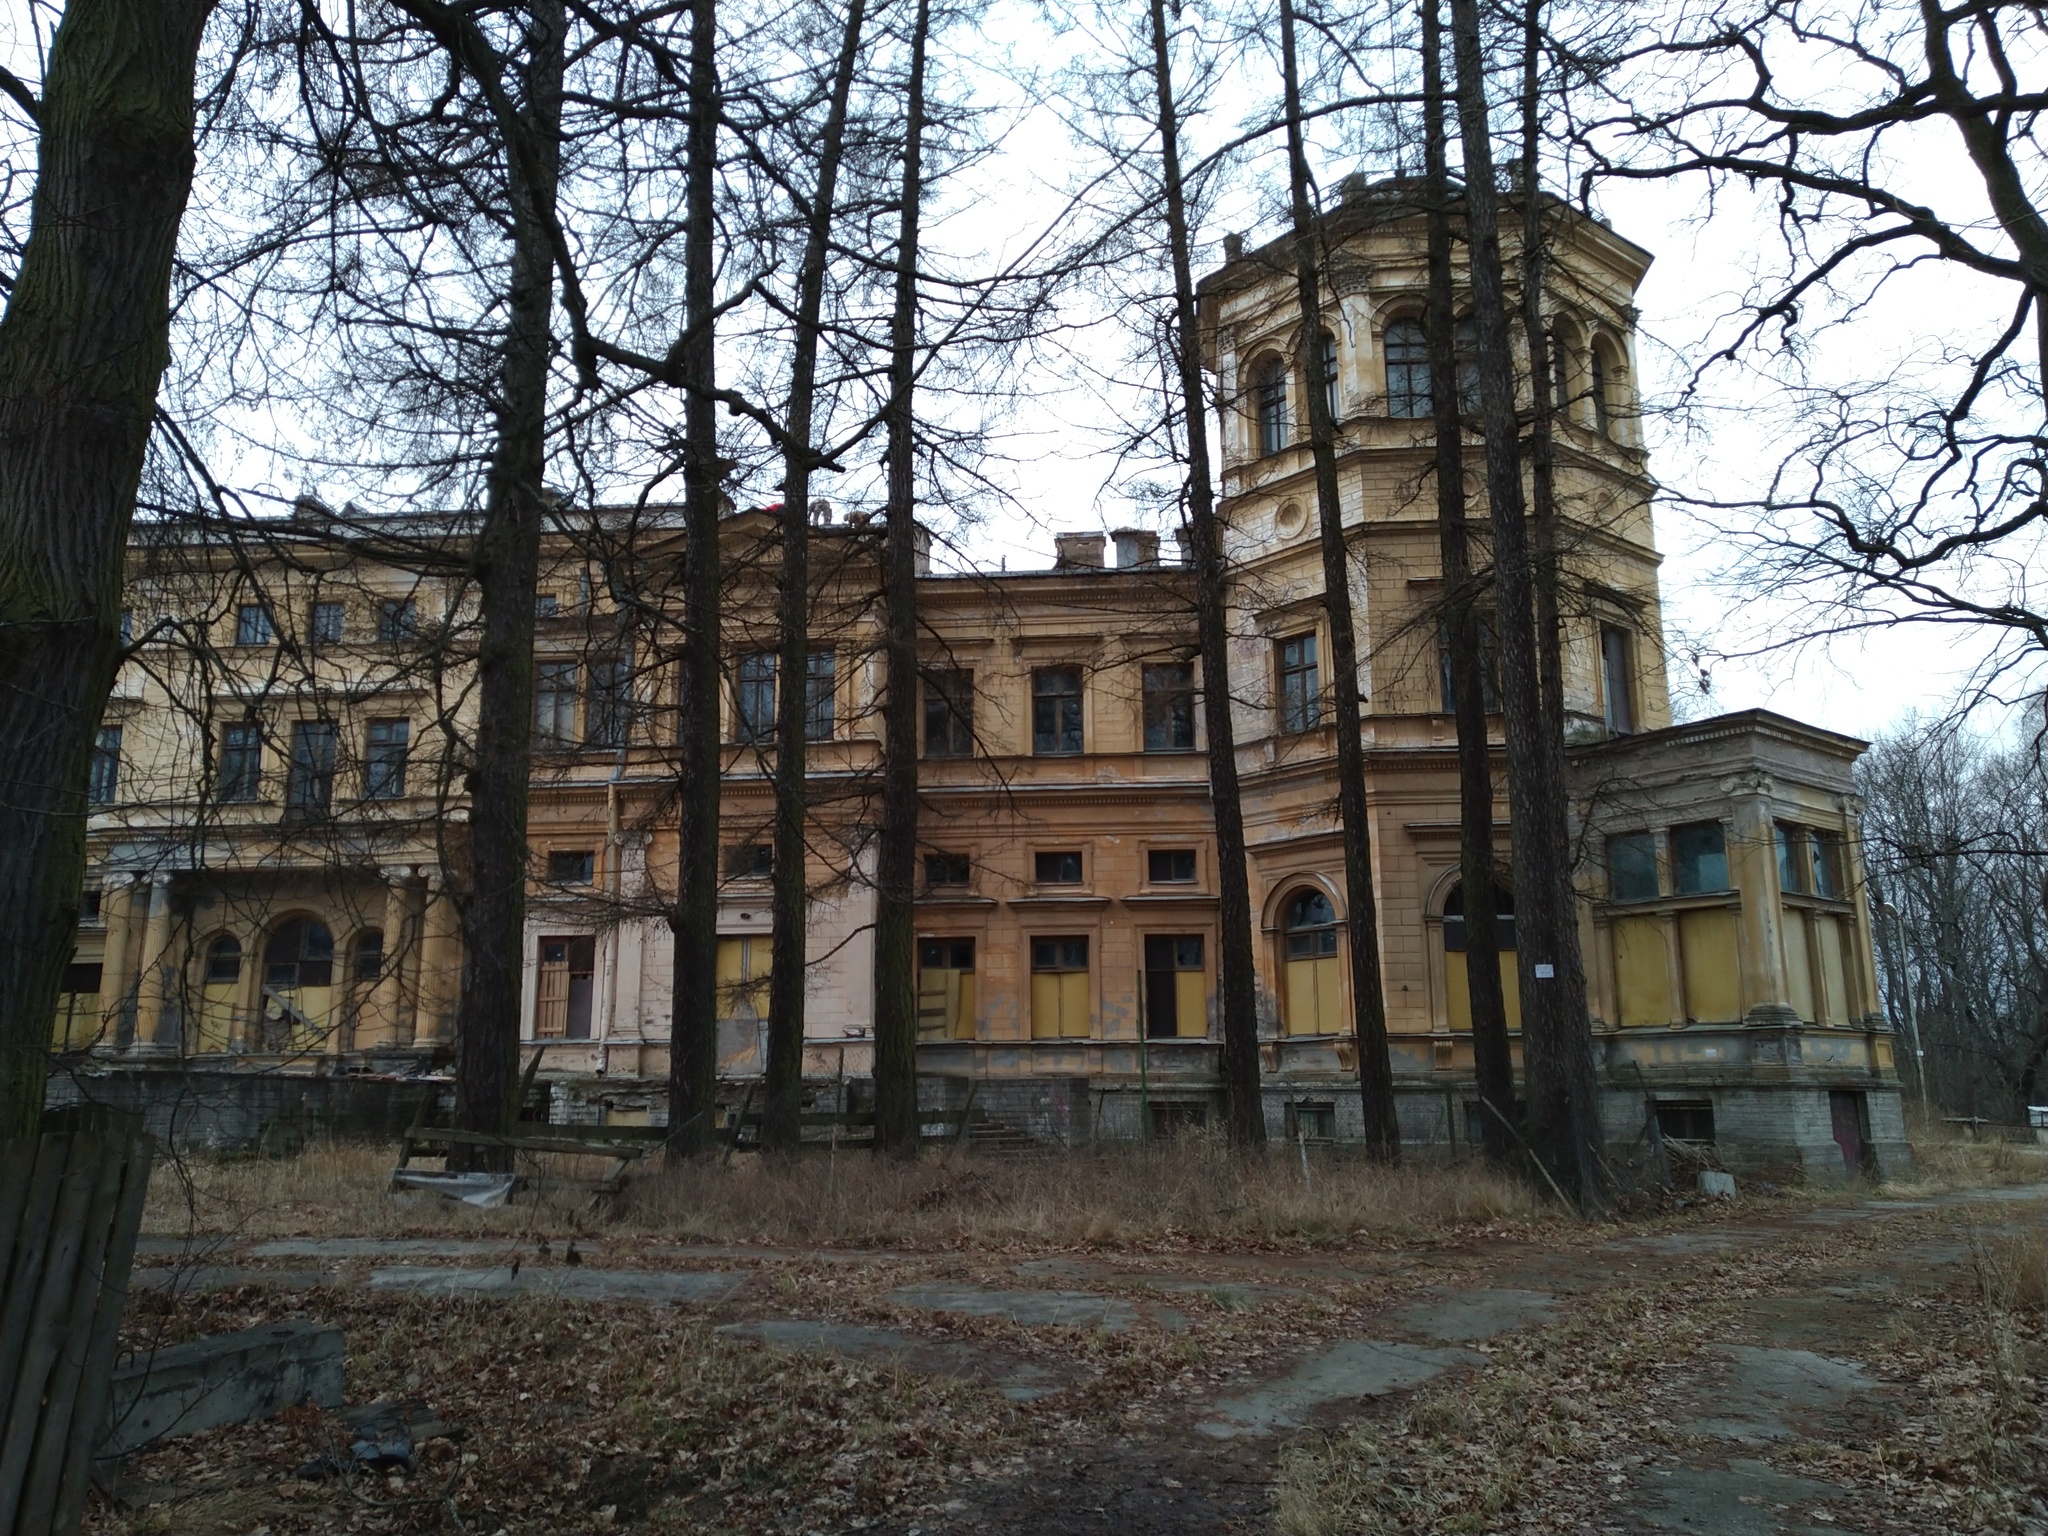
(1560, 375)
(1603, 403)
(300, 954)
(1330, 372)
(1408, 392)
(1269, 390)
(223, 960)
(1466, 340)
(1314, 990)
(1457, 984)
(366, 958)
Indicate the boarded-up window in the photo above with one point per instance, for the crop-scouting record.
(945, 989)
(1798, 966)
(1176, 996)
(743, 977)
(1314, 1002)
(1059, 988)
(1706, 947)
(562, 1002)
(1642, 978)
(1831, 938)
(1458, 980)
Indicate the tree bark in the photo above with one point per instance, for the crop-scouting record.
(83, 348)
(693, 1027)
(1369, 1004)
(507, 572)
(1552, 979)
(781, 1120)
(1493, 1059)
(1243, 1105)
(1576, 1096)
(896, 1121)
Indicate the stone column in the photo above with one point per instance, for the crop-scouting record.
(1753, 871)
(117, 963)
(156, 1001)
(627, 948)
(440, 965)
(381, 1022)
(249, 994)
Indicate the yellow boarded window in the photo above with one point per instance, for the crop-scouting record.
(1642, 981)
(1458, 980)
(1314, 998)
(1176, 995)
(1059, 988)
(743, 977)
(945, 989)
(1706, 948)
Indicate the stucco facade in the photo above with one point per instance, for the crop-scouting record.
(268, 888)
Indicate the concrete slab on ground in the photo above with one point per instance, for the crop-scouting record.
(1744, 1498)
(1036, 1309)
(1234, 1294)
(226, 1277)
(343, 1248)
(1021, 1381)
(1466, 1317)
(1769, 1392)
(1354, 1369)
(578, 1284)
(230, 1378)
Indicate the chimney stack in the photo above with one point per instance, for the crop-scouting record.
(1077, 551)
(1233, 247)
(1137, 549)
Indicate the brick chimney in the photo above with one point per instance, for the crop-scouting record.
(1077, 551)
(1137, 549)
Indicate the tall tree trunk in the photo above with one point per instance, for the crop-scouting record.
(1553, 981)
(507, 571)
(82, 350)
(1545, 550)
(1244, 1107)
(896, 1121)
(1581, 1138)
(1368, 998)
(693, 1027)
(1493, 1058)
(781, 1121)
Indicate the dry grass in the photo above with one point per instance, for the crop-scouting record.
(1193, 1191)
(1944, 1161)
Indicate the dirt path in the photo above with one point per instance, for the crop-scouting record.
(1768, 1414)
(1752, 1375)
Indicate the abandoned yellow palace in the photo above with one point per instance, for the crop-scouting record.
(278, 792)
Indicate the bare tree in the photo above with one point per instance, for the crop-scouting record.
(1368, 995)
(1244, 1109)
(896, 1122)
(83, 348)
(1464, 632)
(1557, 1061)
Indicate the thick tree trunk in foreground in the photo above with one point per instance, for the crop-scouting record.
(693, 1027)
(1553, 981)
(1573, 1111)
(507, 571)
(1243, 1108)
(1492, 1057)
(896, 1122)
(1368, 999)
(82, 350)
(781, 1121)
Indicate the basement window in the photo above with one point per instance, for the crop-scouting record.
(1686, 1120)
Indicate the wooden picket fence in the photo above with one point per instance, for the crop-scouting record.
(70, 1208)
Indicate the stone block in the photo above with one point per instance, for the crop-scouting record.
(231, 1378)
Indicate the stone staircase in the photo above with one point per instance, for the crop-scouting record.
(999, 1138)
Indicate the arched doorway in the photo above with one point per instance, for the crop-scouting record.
(1457, 988)
(220, 985)
(1313, 995)
(298, 985)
